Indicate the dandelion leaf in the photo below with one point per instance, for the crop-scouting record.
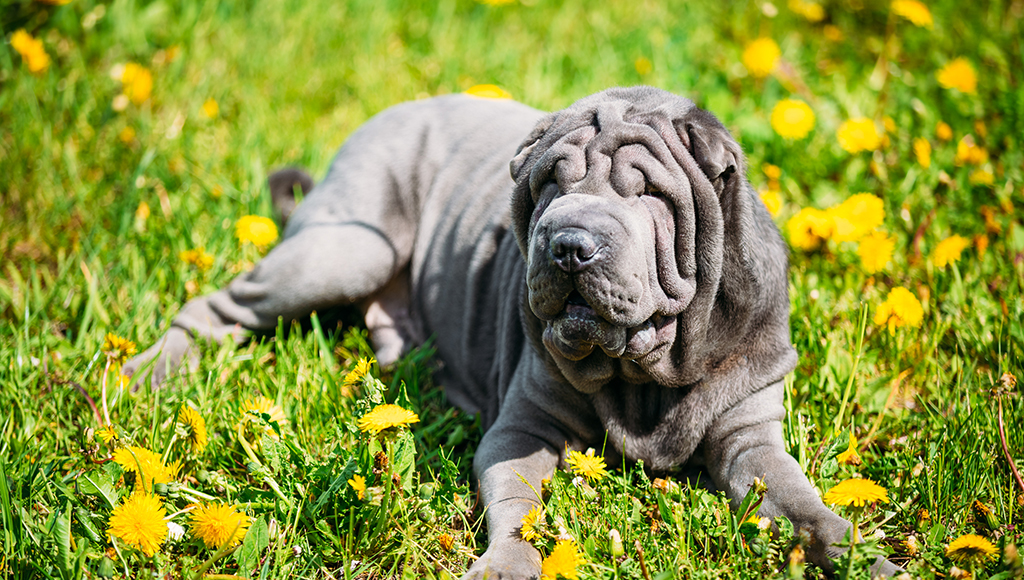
(101, 483)
(405, 458)
(256, 540)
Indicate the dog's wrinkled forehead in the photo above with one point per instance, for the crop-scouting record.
(624, 140)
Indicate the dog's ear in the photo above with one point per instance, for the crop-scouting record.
(529, 144)
(713, 148)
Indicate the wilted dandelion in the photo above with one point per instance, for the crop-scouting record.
(948, 250)
(138, 82)
(914, 11)
(562, 561)
(761, 56)
(530, 524)
(856, 216)
(358, 484)
(923, 152)
(195, 428)
(981, 244)
(901, 308)
(256, 230)
(859, 134)
(792, 119)
(197, 257)
(959, 74)
(488, 92)
(211, 109)
(384, 417)
(139, 522)
(875, 251)
(809, 228)
(31, 51)
(810, 10)
(217, 524)
(850, 456)
(447, 541)
(971, 548)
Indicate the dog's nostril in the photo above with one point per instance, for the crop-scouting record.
(572, 248)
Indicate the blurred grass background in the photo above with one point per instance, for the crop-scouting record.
(291, 80)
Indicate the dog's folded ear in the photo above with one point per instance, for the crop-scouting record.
(529, 144)
(712, 147)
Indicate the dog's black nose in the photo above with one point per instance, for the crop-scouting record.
(572, 249)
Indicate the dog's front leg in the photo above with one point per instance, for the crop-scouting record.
(746, 442)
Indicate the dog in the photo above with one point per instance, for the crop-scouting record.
(633, 292)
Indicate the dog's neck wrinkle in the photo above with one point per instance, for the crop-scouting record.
(632, 413)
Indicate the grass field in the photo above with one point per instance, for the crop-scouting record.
(132, 133)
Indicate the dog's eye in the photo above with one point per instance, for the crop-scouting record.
(652, 191)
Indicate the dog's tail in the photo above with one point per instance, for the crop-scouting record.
(283, 185)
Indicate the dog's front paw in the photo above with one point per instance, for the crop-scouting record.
(175, 350)
(511, 560)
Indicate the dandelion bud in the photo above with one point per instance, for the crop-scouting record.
(160, 489)
(759, 486)
(296, 551)
(426, 491)
(795, 567)
(1011, 555)
(959, 574)
(615, 543)
(106, 568)
(912, 545)
(175, 531)
(273, 529)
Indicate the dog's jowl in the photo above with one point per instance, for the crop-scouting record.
(602, 273)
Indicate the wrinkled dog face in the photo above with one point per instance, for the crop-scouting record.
(617, 210)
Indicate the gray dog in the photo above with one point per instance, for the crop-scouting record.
(639, 299)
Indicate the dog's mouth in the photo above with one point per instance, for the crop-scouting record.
(578, 330)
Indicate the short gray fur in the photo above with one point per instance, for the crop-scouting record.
(633, 291)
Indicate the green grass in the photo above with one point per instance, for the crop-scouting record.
(292, 80)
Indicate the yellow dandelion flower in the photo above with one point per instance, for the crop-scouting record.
(118, 349)
(967, 152)
(142, 212)
(532, 521)
(875, 251)
(217, 524)
(809, 228)
(943, 131)
(792, 119)
(772, 200)
(496, 2)
(643, 65)
(812, 11)
(981, 177)
(254, 411)
(139, 522)
(127, 135)
(832, 32)
(107, 433)
(859, 134)
(211, 109)
(772, 172)
(31, 51)
(256, 230)
(914, 11)
(856, 492)
(138, 82)
(447, 541)
(586, 464)
(856, 216)
(761, 56)
(959, 74)
(948, 250)
(488, 92)
(970, 548)
(923, 152)
(850, 456)
(195, 428)
(358, 483)
(384, 417)
(197, 257)
(562, 561)
(148, 466)
(361, 370)
(901, 308)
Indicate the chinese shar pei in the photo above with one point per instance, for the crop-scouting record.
(634, 291)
